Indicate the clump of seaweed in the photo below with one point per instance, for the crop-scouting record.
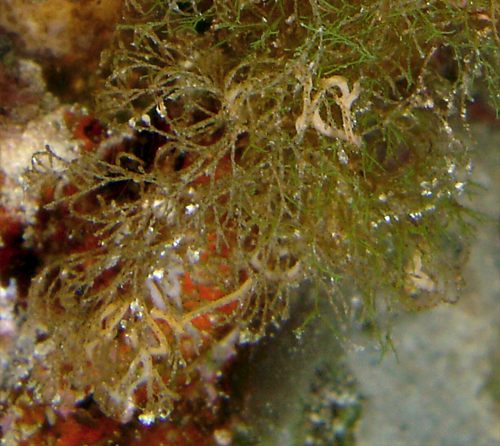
(272, 141)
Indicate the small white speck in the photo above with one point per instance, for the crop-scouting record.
(158, 274)
(146, 119)
(223, 437)
(193, 255)
(191, 208)
(147, 418)
(135, 306)
(343, 158)
(177, 242)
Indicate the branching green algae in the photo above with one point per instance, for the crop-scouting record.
(306, 139)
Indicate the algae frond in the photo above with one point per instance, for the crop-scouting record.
(300, 140)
